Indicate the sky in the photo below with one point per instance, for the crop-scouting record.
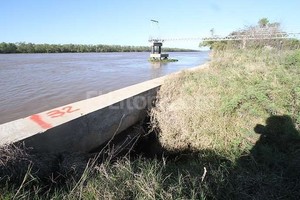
(127, 22)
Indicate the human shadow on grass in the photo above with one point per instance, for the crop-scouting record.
(272, 169)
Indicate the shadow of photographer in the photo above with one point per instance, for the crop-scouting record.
(272, 168)
(278, 145)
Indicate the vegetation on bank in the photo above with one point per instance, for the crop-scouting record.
(245, 111)
(266, 34)
(75, 48)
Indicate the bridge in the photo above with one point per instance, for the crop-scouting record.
(237, 37)
(270, 32)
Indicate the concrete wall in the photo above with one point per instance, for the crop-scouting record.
(84, 125)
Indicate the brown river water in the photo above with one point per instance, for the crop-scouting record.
(32, 83)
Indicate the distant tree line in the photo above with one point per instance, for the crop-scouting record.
(261, 31)
(23, 47)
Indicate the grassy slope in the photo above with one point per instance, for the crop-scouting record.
(216, 113)
(245, 108)
(219, 106)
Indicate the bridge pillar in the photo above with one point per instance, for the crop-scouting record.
(244, 43)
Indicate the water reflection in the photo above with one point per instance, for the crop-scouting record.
(157, 69)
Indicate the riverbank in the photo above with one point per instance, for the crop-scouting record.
(243, 115)
(230, 131)
(22, 47)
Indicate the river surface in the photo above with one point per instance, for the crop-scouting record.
(32, 83)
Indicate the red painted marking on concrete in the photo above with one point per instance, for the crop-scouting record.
(38, 119)
(55, 113)
(69, 109)
(61, 112)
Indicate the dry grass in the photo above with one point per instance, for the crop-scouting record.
(218, 107)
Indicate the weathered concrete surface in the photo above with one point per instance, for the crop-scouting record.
(83, 125)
